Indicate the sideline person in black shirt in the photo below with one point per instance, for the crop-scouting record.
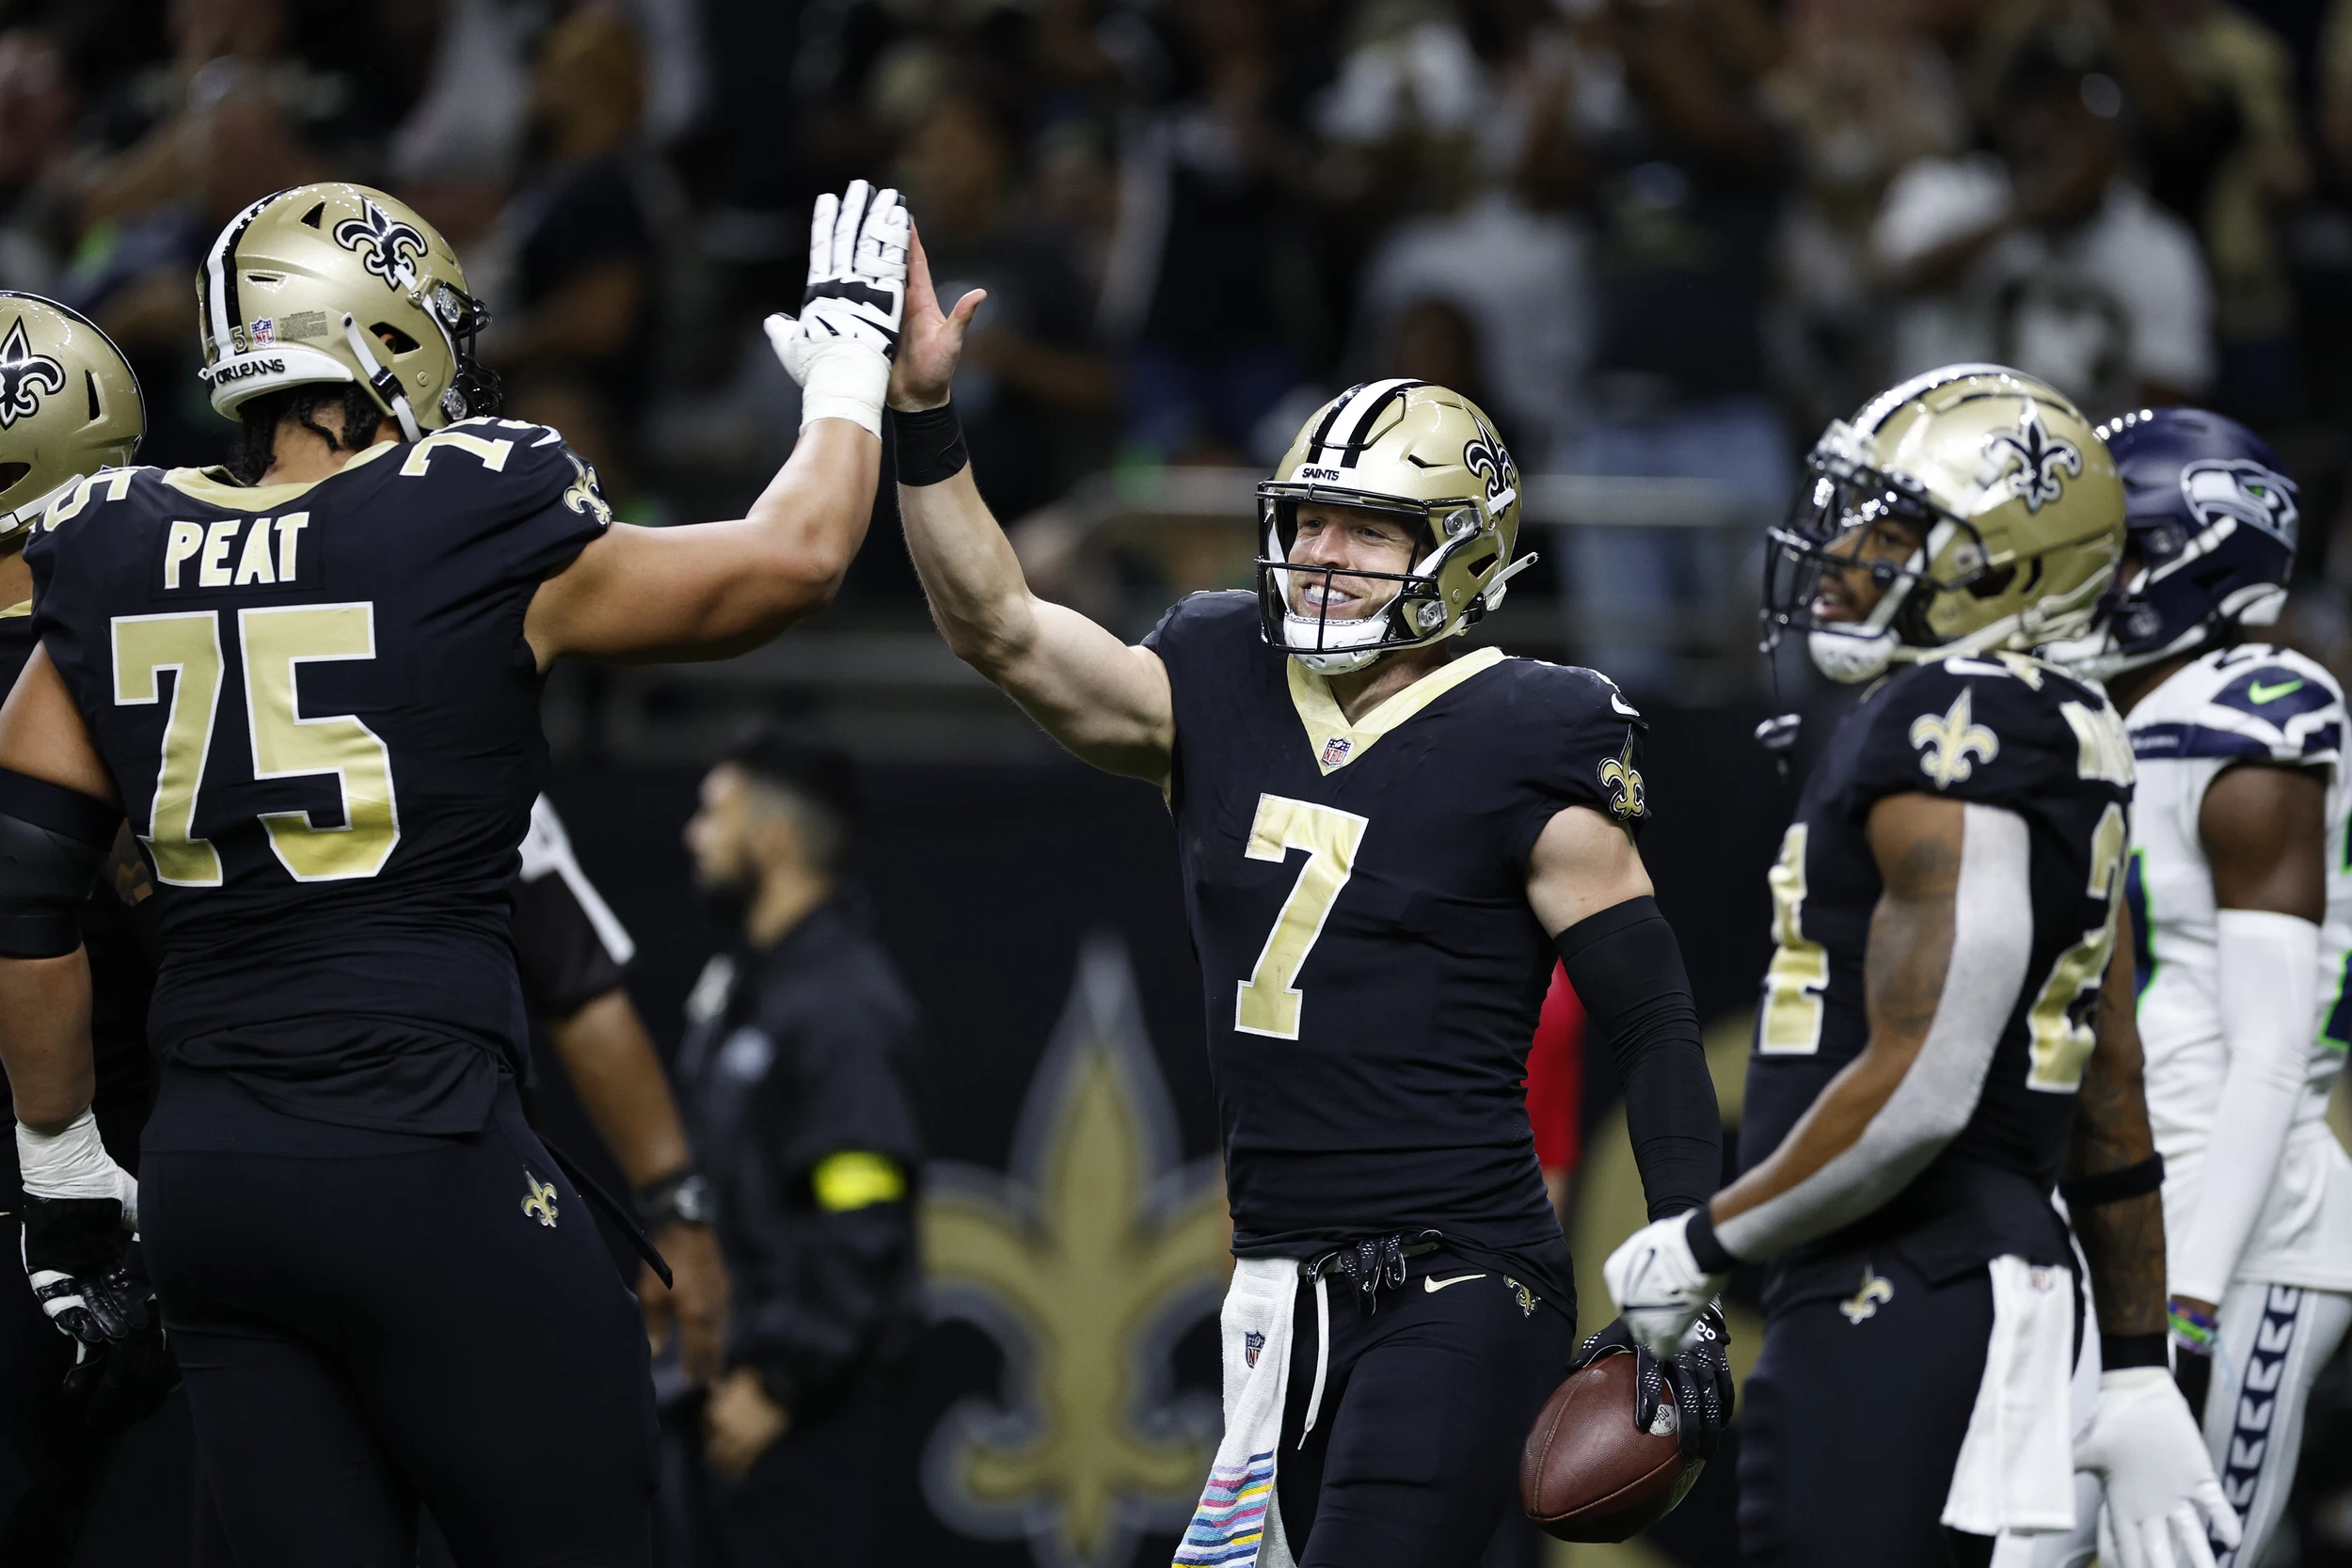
(795, 1073)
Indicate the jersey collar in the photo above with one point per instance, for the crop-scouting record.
(1335, 742)
(215, 486)
(14, 612)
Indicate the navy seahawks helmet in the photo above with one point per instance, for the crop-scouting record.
(2212, 522)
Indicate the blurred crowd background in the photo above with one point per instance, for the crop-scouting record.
(1655, 238)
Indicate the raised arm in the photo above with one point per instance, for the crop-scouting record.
(716, 589)
(1107, 701)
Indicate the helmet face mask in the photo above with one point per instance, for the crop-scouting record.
(69, 406)
(2009, 496)
(336, 282)
(1423, 457)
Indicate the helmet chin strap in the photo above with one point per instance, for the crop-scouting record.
(385, 381)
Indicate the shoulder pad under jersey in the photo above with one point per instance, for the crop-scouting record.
(522, 464)
(2253, 701)
(1999, 730)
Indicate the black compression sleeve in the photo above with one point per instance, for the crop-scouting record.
(1627, 969)
(52, 843)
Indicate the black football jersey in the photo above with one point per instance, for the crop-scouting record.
(1358, 897)
(2004, 731)
(322, 721)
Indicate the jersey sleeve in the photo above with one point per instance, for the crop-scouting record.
(1979, 732)
(1197, 629)
(2277, 707)
(568, 944)
(526, 497)
(1579, 743)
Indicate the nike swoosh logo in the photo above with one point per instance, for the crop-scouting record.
(2261, 693)
(1432, 1284)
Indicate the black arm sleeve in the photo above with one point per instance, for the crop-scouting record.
(52, 843)
(1627, 969)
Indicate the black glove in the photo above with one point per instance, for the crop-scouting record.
(1698, 1379)
(120, 1384)
(74, 1254)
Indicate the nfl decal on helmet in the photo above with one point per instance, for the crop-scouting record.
(1414, 450)
(2017, 501)
(337, 282)
(2213, 524)
(69, 406)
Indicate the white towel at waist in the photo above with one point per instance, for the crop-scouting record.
(1238, 1523)
(2016, 1468)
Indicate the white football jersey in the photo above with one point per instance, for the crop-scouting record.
(2234, 704)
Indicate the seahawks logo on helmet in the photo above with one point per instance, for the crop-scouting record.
(25, 376)
(2236, 487)
(385, 245)
(2036, 463)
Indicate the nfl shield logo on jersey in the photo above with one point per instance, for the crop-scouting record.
(1335, 751)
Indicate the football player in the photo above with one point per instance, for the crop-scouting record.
(311, 687)
(2241, 893)
(1945, 907)
(1383, 845)
(70, 406)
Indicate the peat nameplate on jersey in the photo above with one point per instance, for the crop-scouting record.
(195, 559)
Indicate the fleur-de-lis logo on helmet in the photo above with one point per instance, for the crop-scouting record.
(25, 376)
(1484, 455)
(385, 245)
(1627, 797)
(1948, 743)
(2036, 463)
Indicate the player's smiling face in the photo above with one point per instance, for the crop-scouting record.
(1847, 594)
(1351, 539)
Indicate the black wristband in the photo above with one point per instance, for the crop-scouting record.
(2119, 1351)
(681, 1196)
(2114, 1186)
(929, 444)
(1706, 1249)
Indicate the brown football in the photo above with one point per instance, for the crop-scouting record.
(1588, 1473)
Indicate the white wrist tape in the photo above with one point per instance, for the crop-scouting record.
(844, 380)
(73, 1163)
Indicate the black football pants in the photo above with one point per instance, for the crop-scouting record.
(1426, 1405)
(362, 1334)
(1851, 1422)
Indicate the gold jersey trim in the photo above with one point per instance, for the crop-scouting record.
(17, 612)
(1336, 742)
(215, 486)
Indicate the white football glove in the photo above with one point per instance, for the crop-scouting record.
(840, 346)
(2162, 1499)
(1658, 1286)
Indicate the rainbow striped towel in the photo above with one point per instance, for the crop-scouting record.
(1238, 1523)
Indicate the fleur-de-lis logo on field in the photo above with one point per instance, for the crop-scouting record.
(25, 376)
(540, 1202)
(2038, 464)
(1628, 798)
(385, 245)
(1950, 742)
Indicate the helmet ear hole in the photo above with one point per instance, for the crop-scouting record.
(11, 472)
(1993, 584)
(394, 339)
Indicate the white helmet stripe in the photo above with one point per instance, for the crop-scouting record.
(220, 275)
(1352, 420)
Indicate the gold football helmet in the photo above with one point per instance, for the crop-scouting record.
(1415, 450)
(2012, 494)
(337, 282)
(69, 406)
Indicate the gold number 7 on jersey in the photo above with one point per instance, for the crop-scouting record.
(286, 744)
(1791, 1025)
(1269, 1002)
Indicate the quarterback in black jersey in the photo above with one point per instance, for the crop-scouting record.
(1946, 906)
(1383, 848)
(311, 687)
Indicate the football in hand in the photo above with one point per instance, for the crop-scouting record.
(1588, 1473)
